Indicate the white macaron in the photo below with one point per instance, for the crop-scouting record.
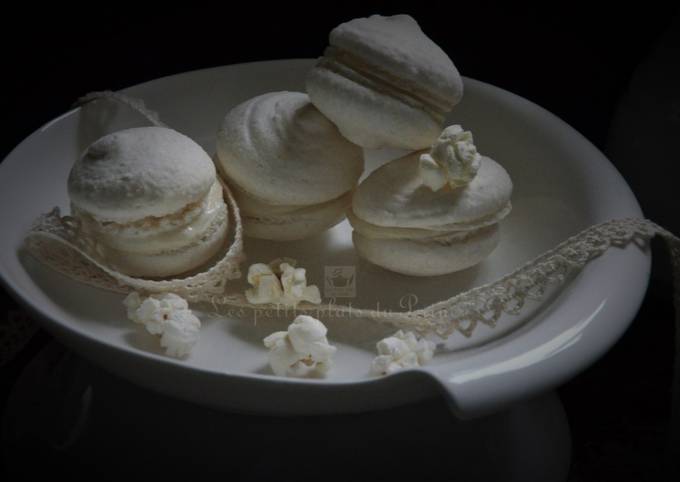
(292, 171)
(150, 202)
(384, 83)
(432, 213)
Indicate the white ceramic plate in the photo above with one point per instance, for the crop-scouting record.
(562, 185)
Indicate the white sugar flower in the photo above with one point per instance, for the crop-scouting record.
(167, 315)
(453, 159)
(280, 283)
(401, 350)
(302, 350)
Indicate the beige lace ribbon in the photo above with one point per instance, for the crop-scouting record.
(485, 304)
(55, 241)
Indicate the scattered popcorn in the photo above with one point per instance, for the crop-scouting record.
(167, 315)
(266, 286)
(295, 289)
(302, 350)
(401, 350)
(280, 282)
(275, 264)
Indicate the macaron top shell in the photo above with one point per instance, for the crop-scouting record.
(136, 173)
(397, 45)
(279, 148)
(394, 196)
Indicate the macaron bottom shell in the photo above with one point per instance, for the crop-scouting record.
(297, 223)
(428, 257)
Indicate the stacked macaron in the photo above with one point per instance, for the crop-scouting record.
(150, 202)
(383, 82)
(432, 213)
(291, 170)
(150, 199)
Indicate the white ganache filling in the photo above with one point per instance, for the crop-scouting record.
(167, 315)
(156, 235)
(453, 160)
(280, 282)
(401, 350)
(452, 232)
(302, 350)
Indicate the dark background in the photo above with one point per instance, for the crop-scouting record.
(612, 74)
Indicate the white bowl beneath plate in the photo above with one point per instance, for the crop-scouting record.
(562, 185)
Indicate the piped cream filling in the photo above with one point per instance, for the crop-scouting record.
(157, 235)
(439, 233)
